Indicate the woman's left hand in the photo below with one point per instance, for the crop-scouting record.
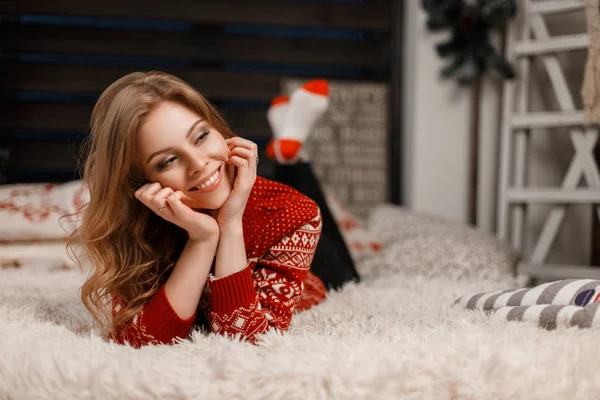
(243, 155)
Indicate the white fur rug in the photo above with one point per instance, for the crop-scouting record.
(394, 336)
(389, 337)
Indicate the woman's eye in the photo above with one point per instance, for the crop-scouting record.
(202, 136)
(165, 163)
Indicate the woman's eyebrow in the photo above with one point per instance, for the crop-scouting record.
(187, 136)
(193, 127)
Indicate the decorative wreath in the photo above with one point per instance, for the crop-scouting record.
(469, 47)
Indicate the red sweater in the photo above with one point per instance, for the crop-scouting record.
(281, 231)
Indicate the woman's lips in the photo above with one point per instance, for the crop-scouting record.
(212, 186)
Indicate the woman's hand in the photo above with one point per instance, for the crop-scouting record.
(166, 203)
(243, 155)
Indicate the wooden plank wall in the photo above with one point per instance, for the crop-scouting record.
(57, 56)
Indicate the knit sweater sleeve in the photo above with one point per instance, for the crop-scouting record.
(263, 295)
(156, 323)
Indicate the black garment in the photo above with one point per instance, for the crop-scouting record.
(332, 262)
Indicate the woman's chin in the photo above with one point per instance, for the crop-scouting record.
(203, 204)
(199, 205)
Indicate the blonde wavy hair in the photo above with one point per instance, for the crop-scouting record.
(131, 249)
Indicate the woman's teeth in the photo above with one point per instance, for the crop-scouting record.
(209, 181)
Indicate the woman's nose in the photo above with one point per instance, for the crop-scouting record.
(197, 164)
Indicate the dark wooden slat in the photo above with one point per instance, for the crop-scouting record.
(251, 123)
(51, 116)
(371, 15)
(395, 134)
(44, 154)
(40, 161)
(196, 45)
(33, 175)
(47, 174)
(212, 83)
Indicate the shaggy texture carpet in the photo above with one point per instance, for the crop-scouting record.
(393, 336)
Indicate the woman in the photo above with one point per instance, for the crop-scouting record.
(179, 227)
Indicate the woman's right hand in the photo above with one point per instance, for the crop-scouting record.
(167, 203)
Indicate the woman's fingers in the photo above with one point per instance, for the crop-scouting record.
(241, 142)
(248, 154)
(141, 190)
(138, 193)
(147, 191)
(246, 176)
(244, 153)
(237, 142)
(154, 196)
(159, 200)
(164, 193)
(179, 209)
(238, 161)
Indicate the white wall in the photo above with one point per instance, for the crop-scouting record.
(436, 126)
(436, 139)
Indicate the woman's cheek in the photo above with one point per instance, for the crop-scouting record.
(219, 148)
(175, 181)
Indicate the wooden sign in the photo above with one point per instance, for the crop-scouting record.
(349, 147)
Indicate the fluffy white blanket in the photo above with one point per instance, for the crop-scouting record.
(393, 336)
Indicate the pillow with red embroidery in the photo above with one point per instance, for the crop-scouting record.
(32, 211)
(38, 253)
(359, 240)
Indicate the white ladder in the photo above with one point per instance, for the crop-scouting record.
(514, 195)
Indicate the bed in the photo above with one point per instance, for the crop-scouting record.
(394, 335)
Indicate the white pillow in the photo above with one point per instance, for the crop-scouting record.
(32, 211)
(36, 252)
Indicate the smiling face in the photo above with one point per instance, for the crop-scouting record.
(181, 150)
